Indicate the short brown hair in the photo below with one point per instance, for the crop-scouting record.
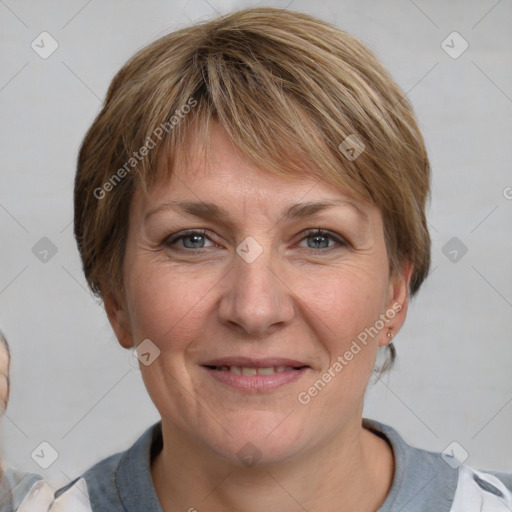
(295, 95)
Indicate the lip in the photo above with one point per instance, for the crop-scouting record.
(256, 383)
(250, 362)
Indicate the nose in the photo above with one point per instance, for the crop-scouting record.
(257, 299)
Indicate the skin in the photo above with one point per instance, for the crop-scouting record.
(4, 377)
(297, 300)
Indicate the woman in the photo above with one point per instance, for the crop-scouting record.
(28, 492)
(250, 206)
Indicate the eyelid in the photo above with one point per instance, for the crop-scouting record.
(175, 237)
(340, 240)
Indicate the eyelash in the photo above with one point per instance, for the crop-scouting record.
(169, 242)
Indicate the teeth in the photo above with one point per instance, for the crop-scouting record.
(239, 370)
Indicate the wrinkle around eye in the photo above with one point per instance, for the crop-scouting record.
(342, 237)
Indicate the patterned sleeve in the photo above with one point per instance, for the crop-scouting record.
(41, 499)
(482, 491)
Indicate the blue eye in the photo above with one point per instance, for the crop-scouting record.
(195, 240)
(192, 240)
(321, 237)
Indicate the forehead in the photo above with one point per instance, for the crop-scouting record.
(218, 171)
(217, 159)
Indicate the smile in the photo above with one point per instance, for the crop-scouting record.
(255, 376)
(245, 370)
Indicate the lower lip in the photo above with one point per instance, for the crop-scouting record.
(256, 383)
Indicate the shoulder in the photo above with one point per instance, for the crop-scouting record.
(110, 482)
(422, 480)
(479, 489)
(426, 480)
(101, 483)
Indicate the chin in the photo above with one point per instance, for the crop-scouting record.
(258, 438)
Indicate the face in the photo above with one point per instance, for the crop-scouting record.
(248, 305)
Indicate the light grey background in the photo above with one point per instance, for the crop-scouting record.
(75, 388)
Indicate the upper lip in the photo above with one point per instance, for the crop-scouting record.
(249, 362)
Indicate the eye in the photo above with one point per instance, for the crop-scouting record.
(192, 240)
(321, 239)
(195, 240)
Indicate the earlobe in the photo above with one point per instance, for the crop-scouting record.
(119, 319)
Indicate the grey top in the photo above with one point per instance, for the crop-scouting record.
(422, 482)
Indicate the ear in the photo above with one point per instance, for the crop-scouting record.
(119, 318)
(397, 303)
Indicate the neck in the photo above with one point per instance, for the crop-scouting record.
(352, 471)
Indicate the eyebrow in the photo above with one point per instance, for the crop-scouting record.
(211, 211)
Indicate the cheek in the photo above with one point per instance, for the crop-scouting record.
(345, 307)
(168, 306)
(347, 300)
